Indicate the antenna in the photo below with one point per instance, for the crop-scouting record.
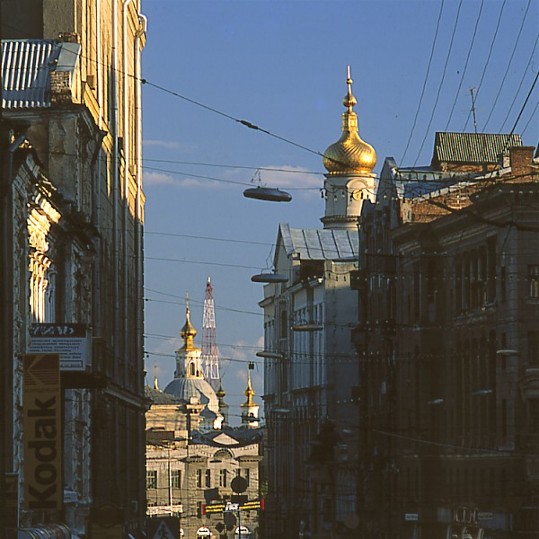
(473, 110)
(210, 352)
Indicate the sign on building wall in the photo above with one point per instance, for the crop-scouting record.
(42, 432)
(70, 341)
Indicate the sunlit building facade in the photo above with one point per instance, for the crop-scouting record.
(73, 211)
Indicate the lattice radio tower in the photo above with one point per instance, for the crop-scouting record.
(210, 352)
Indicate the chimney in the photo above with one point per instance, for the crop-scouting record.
(520, 158)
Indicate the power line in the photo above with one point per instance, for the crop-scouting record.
(441, 82)
(525, 102)
(222, 165)
(220, 180)
(491, 48)
(245, 123)
(532, 56)
(425, 80)
(210, 238)
(465, 65)
(506, 71)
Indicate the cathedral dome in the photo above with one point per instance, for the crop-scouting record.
(350, 154)
(186, 388)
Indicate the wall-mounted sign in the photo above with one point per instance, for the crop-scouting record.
(42, 438)
(70, 341)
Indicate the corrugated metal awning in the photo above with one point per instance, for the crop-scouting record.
(26, 68)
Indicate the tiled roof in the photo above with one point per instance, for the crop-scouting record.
(26, 68)
(320, 244)
(472, 147)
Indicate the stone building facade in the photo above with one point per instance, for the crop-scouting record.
(447, 340)
(72, 206)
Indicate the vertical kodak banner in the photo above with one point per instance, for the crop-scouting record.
(42, 432)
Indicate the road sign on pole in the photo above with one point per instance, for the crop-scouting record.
(163, 528)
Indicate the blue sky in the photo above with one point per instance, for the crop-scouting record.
(282, 66)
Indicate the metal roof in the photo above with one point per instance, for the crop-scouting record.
(472, 147)
(26, 68)
(320, 244)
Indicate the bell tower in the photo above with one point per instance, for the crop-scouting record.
(349, 162)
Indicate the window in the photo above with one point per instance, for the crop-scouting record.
(208, 478)
(199, 478)
(176, 478)
(533, 276)
(223, 478)
(151, 478)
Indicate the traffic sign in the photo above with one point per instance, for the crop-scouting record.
(163, 528)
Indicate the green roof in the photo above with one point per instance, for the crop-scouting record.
(472, 147)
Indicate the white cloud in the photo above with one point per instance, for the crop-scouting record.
(166, 144)
(158, 178)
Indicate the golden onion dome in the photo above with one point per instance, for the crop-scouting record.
(188, 331)
(350, 154)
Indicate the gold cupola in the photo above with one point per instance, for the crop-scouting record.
(350, 154)
(188, 331)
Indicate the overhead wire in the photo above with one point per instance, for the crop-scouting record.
(449, 50)
(530, 118)
(491, 48)
(506, 70)
(525, 102)
(465, 65)
(427, 73)
(532, 56)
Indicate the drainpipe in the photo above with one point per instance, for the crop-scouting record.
(116, 188)
(138, 217)
(127, 156)
(99, 67)
(139, 351)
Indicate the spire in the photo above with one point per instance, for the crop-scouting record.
(223, 406)
(249, 414)
(188, 332)
(249, 392)
(350, 154)
(155, 380)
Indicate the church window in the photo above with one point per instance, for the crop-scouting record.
(192, 369)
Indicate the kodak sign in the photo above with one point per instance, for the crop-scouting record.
(42, 432)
